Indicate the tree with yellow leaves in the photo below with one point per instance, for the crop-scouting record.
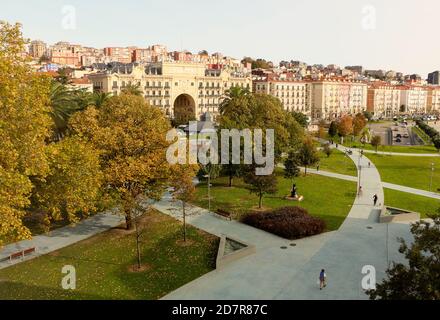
(130, 136)
(72, 186)
(24, 127)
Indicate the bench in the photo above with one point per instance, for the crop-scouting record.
(224, 213)
(21, 254)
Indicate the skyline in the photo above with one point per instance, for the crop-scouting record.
(392, 36)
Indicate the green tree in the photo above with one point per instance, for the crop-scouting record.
(333, 129)
(368, 115)
(132, 89)
(308, 154)
(327, 150)
(418, 279)
(291, 169)
(436, 142)
(376, 141)
(301, 118)
(99, 98)
(131, 138)
(260, 185)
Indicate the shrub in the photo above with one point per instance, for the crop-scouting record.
(287, 222)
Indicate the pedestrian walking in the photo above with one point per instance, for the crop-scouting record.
(369, 164)
(375, 198)
(360, 191)
(322, 279)
(317, 167)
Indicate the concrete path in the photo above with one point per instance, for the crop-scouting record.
(403, 154)
(61, 237)
(275, 273)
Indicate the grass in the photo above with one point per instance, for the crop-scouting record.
(399, 149)
(326, 198)
(338, 162)
(420, 204)
(102, 265)
(414, 172)
(426, 139)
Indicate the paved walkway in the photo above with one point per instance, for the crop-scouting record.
(403, 154)
(274, 273)
(61, 237)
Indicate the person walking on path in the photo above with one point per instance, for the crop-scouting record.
(375, 198)
(322, 279)
(360, 191)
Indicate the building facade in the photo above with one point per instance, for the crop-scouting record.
(433, 100)
(294, 95)
(414, 99)
(330, 99)
(37, 49)
(383, 100)
(173, 85)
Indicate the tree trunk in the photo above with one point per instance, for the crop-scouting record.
(260, 203)
(230, 181)
(184, 221)
(128, 219)
(305, 171)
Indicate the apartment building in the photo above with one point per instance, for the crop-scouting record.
(383, 99)
(173, 85)
(119, 54)
(65, 54)
(433, 104)
(37, 49)
(333, 98)
(294, 95)
(414, 99)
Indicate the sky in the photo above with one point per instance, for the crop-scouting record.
(398, 35)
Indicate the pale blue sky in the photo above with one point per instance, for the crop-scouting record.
(315, 31)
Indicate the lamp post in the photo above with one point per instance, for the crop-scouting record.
(432, 175)
(209, 191)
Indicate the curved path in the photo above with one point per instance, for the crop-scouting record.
(274, 273)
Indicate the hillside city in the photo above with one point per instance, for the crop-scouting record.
(318, 91)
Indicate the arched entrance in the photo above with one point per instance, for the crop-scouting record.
(184, 109)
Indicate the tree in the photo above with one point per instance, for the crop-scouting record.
(307, 154)
(368, 115)
(327, 150)
(131, 138)
(359, 123)
(64, 76)
(24, 128)
(418, 279)
(333, 129)
(376, 142)
(291, 169)
(436, 142)
(260, 185)
(345, 126)
(321, 129)
(301, 118)
(63, 102)
(132, 89)
(99, 98)
(213, 170)
(184, 189)
(73, 183)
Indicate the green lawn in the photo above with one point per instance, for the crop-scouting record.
(402, 200)
(327, 198)
(102, 265)
(414, 172)
(401, 149)
(338, 162)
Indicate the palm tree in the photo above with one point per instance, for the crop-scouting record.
(132, 89)
(99, 98)
(64, 102)
(234, 92)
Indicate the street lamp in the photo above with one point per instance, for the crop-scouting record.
(432, 175)
(209, 190)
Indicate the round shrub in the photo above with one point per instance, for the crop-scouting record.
(287, 222)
